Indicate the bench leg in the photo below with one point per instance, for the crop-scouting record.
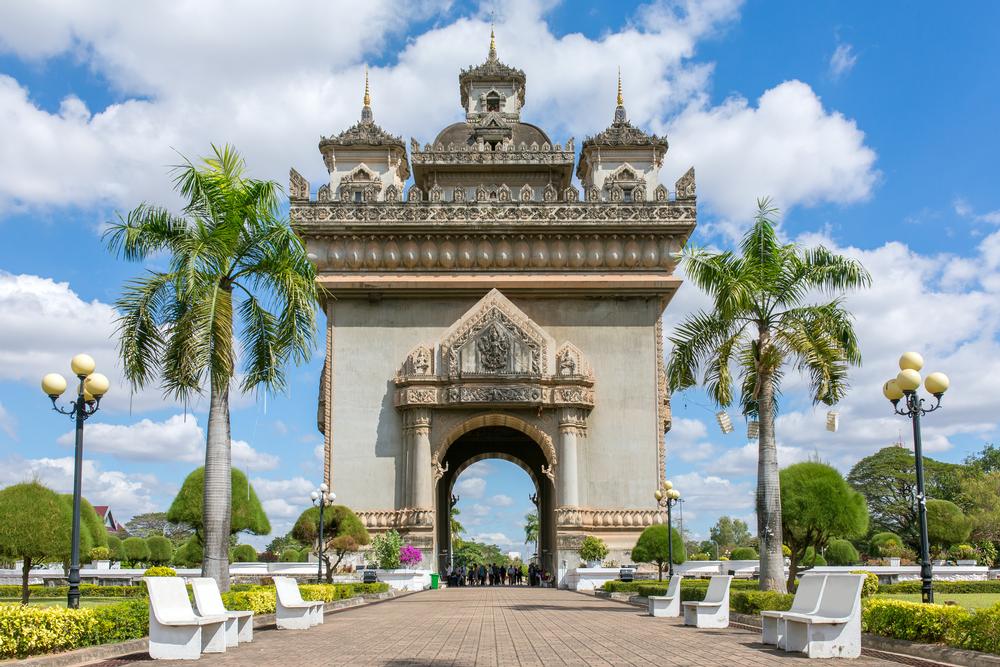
(835, 641)
(293, 618)
(318, 614)
(232, 633)
(796, 636)
(213, 638)
(245, 626)
(174, 642)
(768, 630)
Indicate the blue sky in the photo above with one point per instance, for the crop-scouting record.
(873, 126)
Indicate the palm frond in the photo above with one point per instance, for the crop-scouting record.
(142, 305)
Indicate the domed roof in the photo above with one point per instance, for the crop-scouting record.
(464, 134)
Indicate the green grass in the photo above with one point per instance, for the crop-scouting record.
(967, 600)
(61, 602)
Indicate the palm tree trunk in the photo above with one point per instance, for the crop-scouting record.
(217, 510)
(772, 569)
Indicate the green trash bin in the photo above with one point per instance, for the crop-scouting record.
(434, 580)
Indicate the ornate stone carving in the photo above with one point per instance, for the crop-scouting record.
(529, 428)
(439, 470)
(323, 194)
(685, 187)
(593, 194)
(298, 186)
(414, 194)
(482, 194)
(493, 348)
(392, 193)
(582, 517)
(495, 394)
(549, 471)
(661, 194)
(616, 194)
(550, 193)
(503, 193)
(458, 195)
(571, 194)
(436, 194)
(662, 399)
(570, 362)
(419, 362)
(639, 193)
(382, 520)
(527, 194)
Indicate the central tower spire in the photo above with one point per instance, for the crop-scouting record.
(620, 116)
(366, 110)
(493, 42)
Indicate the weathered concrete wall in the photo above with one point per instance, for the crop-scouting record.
(618, 459)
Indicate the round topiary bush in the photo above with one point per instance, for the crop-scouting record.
(136, 550)
(160, 571)
(161, 550)
(841, 552)
(880, 544)
(593, 549)
(244, 553)
(289, 555)
(743, 553)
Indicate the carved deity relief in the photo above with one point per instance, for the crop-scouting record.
(493, 349)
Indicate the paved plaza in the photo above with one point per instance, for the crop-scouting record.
(504, 626)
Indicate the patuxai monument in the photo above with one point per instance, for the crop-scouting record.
(494, 310)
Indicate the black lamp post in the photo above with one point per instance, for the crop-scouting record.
(91, 388)
(667, 497)
(904, 386)
(322, 499)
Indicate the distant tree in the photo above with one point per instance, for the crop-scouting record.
(385, 549)
(189, 554)
(156, 523)
(161, 549)
(136, 550)
(33, 523)
(817, 506)
(981, 495)
(946, 524)
(244, 553)
(304, 554)
(531, 528)
(888, 481)
(841, 552)
(653, 547)
(343, 533)
(879, 542)
(456, 526)
(93, 533)
(247, 513)
(468, 552)
(986, 461)
(761, 322)
(729, 532)
(280, 542)
(115, 546)
(744, 553)
(290, 555)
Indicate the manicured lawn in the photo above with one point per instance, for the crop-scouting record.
(967, 600)
(61, 602)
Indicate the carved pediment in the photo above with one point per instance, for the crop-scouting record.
(495, 338)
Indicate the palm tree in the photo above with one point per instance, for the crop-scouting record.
(456, 526)
(531, 528)
(238, 284)
(758, 324)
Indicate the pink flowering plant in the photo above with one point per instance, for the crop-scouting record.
(410, 555)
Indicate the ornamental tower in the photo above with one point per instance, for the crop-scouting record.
(493, 312)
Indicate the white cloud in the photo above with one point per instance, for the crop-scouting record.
(712, 492)
(177, 438)
(479, 509)
(842, 61)
(126, 493)
(788, 147)
(501, 500)
(8, 423)
(497, 538)
(473, 487)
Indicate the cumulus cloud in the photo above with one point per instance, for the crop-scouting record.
(127, 493)
(501, 500)
(788, 147)
(842, 61)
(177, 438)
(8, 423)
(712, 492)
(473, 487)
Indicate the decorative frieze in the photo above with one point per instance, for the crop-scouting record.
(494, 252)
(466, 395)
(586, 518)
(380, 520)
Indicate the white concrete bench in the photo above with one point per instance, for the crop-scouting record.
(668, 605)
(834, 630)
(806, 601)
(239, 624)
(713, 611)
(175, 631)
(292, 612)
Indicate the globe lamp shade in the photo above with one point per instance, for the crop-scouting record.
(892, 391)
(97, 384)
(314, 495)
(53, 385)
(658, 494)
(937, 383)
(908, 379)
(911, 361)
(82, 365)
(668, 485)
(675, 494)
(323, 487)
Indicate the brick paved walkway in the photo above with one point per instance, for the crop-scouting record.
(504, 626)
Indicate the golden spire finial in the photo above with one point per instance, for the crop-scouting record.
(493, 41)
(368, 97)
(621, 100)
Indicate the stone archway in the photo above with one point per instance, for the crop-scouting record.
(478, 439)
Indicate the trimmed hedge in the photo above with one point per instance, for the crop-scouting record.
(86, 590)
(28, 631)
(754, 602)
(938, 623)
(991, 586)
(652, 587)
(262, 599)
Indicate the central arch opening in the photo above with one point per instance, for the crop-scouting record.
(492, 445)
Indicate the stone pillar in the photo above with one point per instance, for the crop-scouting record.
(571, 425)
(418, 437)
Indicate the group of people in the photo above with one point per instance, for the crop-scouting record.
(496, 575)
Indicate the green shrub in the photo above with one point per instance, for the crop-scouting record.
(86, 590)
(963, 552)
(786, 551)
(992, 586)
(122, 622)
(161, 550)
(28, 631)
(100, 553)
(304, 554)
(289, 555)
(978, 631)
(754, 602)
(841, 552)
(385, 549)
(160, 571)
(698, 557)
(261, 599)
(912, 621)
(870, 587)
(115, 546)
(880, 544)
(244, 553)
(136, 550)
(593, 548)
(743, 553)
(812, 559)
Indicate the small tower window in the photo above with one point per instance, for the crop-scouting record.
(493, 102)
(627, 194)
(357, 196)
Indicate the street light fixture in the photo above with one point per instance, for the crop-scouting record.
(667, 496)
(905, 385)
(91, 388)
(322, 498)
